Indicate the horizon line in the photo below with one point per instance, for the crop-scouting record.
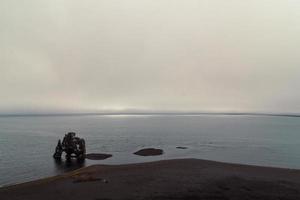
(148, 113)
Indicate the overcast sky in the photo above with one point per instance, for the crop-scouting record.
(195, 55)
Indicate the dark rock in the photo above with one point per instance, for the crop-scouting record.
(149, 152)
(73, 147)
(97, 156)
(181, 147)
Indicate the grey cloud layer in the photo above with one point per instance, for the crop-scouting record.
(159, 55)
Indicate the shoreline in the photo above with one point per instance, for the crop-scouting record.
(165, 179)
(86, 168)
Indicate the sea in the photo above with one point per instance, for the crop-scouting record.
(27, 142)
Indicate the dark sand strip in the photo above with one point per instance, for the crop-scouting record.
(169, 179)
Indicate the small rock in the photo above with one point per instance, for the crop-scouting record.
(105, 181)
(97, 156)
(149, 152)
(181, 147)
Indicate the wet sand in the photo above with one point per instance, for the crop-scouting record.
(169, 179)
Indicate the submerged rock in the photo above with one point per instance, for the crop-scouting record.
(181, 147)
(97, 156)
(149, 152)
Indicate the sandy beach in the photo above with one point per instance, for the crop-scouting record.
(168, 179)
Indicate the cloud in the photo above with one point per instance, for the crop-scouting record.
(151, 55)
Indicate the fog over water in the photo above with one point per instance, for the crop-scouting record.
(169, 55)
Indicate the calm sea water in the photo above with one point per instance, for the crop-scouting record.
(27, 143)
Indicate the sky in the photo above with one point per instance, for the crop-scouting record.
(167, 55)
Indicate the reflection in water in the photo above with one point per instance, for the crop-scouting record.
(62, 166)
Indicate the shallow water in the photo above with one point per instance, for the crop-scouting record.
(27, 142)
